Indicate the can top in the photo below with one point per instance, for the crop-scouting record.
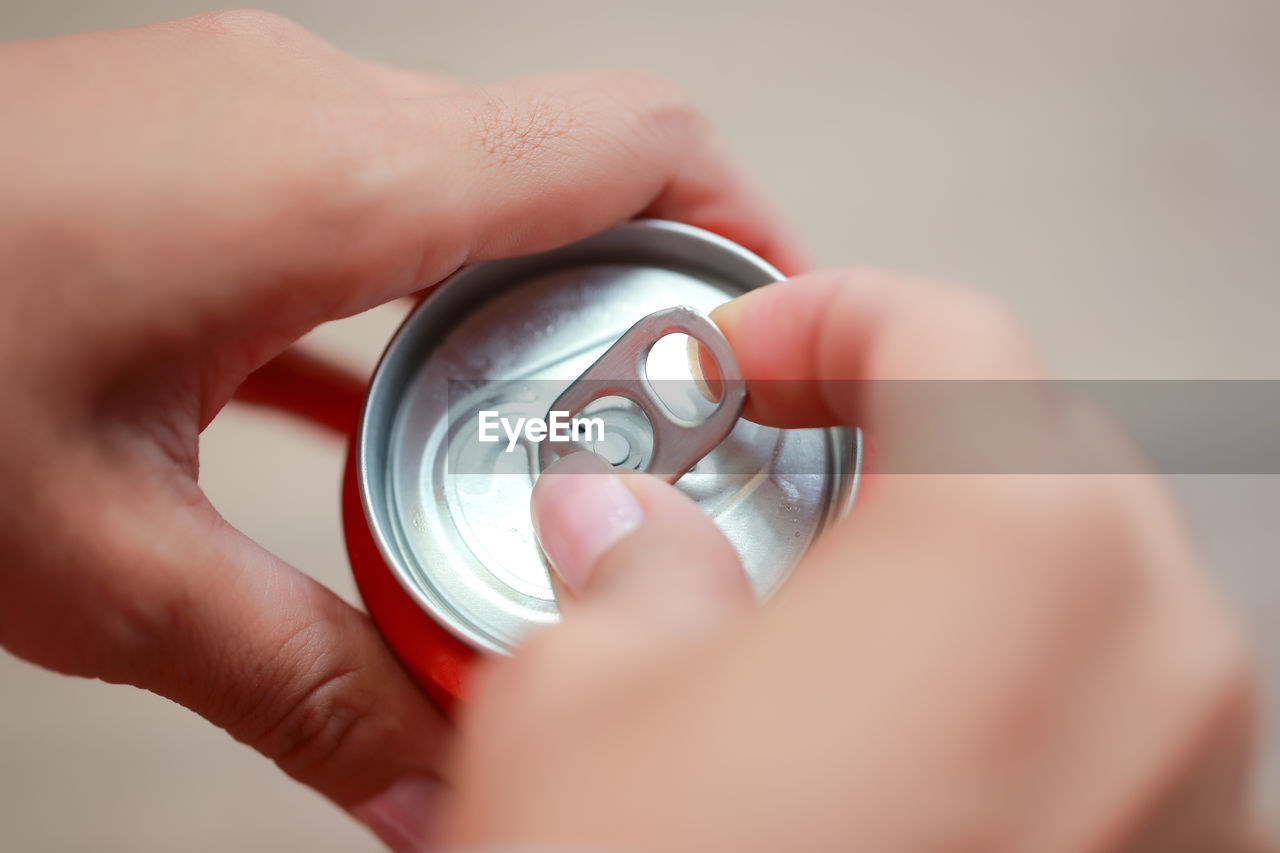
(450, 512)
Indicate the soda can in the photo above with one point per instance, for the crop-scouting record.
(436, 512)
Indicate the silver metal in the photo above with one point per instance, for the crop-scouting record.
(511, 335)
(677, 443)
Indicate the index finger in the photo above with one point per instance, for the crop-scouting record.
(546, 160)
(812, 348)
(527, 165)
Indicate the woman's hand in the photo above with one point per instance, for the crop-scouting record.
(180, 203)
(990, 662)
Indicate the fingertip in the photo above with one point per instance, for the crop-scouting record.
(581, 508)
(730, 318)
(635, 538)
(775, 334)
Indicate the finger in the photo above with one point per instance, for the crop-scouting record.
(696, 195)
(510, 169)
(546, 160)
(636, 548)
(281, 663)
(813, 348)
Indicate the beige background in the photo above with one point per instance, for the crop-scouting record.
(1107, 167)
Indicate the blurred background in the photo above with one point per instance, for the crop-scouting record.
(1109, 167)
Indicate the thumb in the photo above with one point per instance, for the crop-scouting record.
(633, 545)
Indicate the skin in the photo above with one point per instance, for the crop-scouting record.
(1047, 669)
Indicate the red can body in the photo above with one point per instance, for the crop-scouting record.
(426, 585)
(437, 659)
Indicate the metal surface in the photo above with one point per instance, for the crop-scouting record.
(450, 515)
(676, 443)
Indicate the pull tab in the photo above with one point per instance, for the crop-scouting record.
(678, 444)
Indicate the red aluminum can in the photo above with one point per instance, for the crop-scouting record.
(437, 526)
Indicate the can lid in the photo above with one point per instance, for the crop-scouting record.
(450, 511)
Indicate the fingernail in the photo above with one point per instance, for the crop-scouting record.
(727, 315)
(403, 816)
(581, 508)
(699, 358)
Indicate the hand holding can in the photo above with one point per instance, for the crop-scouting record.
(963, 662)
(966, 661)
(182, 202)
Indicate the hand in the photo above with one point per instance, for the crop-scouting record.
(989, 662)
(183, 201)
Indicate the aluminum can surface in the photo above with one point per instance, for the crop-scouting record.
(437, 523)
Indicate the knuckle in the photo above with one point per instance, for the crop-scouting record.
(980, 315)
(644, 83)
(1059, 506)
(963, 319)
(314, 730)
(649, 93)
(971, 334)
(659, 106)
(252, 24)
(306, 725)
